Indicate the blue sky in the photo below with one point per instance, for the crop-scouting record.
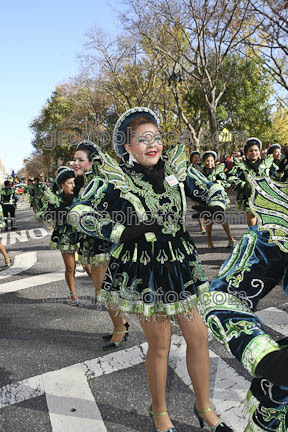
(39, 43)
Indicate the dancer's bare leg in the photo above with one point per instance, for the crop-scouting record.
(69, 261)
(202, 227)
(251, 219)
(195, 334)
(227, 230)
(118, 324)
(97, 275)
(209, 225)
(87, 268)
(4, 253)
(158, 335)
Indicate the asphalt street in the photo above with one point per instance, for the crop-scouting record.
(54, 374)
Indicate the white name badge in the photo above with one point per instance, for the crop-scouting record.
(171, 180)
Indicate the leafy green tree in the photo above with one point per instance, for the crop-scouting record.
(75, 111)
(279, 131)
(246, 103)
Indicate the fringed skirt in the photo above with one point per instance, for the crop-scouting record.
(154, 277)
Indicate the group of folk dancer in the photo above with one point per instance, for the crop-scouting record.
(8, 204)
(126, 222)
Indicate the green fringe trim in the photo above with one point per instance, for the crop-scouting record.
(256, 350)
(249, 405)
(114, 301)
(64, 248)
(96, 260)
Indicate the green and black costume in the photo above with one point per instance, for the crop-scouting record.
(8, 200)
(257, 264)
(237, 177)
(215, 174)
(55, 209)
(93, 251)
(154, 266)
(36, 195)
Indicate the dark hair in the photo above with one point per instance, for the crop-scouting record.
(208, 155)
(252, 142)
(194, 153)
(67, 177)
(88, 153)
(7, 183)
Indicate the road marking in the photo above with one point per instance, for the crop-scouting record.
(275, 319)
(229, 391)
(116, 361)
(22, 205)
(113, 362)
(43, 233)
(15, 393)
(32, 387)
(3, 238)
(22, 236)
(22, 262)
(71, 404)
(33, 281)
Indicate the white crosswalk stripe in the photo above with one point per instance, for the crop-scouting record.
(34, 386)
(34, 281)
(276, 319)
(21, 204)
(70, 401)
(22, 262)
